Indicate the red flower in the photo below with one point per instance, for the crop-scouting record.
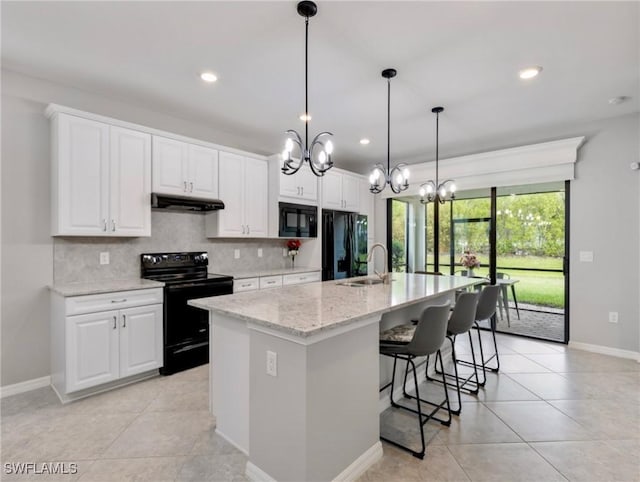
(293, 244)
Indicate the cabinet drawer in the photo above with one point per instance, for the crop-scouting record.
(77, 305)
(295, 279)
(270, 281)
(248, 284)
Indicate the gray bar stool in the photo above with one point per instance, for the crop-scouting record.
(406, 342)
(461, 321)
(487, 304)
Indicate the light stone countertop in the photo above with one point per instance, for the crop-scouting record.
(107, 286)
(269, 272)
(308, 309)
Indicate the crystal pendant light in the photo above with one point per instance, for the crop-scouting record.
(398, 177)
(318, 153)
(435, 190)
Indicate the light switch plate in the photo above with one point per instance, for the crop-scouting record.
(586, 256)
(272, 363)
(285, 252)
(104, 257)
(236, 254)
(613, 317)
(259, 252)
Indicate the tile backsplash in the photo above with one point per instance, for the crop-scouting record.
(77, 259)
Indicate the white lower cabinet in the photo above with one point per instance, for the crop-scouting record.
(91, 349)
(274, 281)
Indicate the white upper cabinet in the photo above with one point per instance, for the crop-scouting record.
(101, 179)
(243, 189)
(184, 169)
(130, 182)
(303, 185)
(341, 191)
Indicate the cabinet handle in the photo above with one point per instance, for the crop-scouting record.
(270, 282)
(246, 285)
(119, 301)
(104, 225)
(298, 188)
(191, 185)
(124, 321)
(248, 229)
(302, 278)
(115, 321)
(185, 186)
(243, 230)
(113, 225)
(302, 190)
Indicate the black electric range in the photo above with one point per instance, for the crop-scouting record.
(186, 329)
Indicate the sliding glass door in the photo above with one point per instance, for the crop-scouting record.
(530, 249)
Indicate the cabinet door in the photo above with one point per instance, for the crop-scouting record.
(290, 185)
(203, 172)
(308, 183)
(82, 175)
(231, 220)
(351, 193)
(332, 191)
(130, 181)
(256, 197)
(140, 339)
(169, 166)
(92, 349)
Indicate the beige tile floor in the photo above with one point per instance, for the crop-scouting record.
(552, 413)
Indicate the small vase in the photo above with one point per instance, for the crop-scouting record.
(470, 272)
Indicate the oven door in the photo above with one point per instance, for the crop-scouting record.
(184, 324)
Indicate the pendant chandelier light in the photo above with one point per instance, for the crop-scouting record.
(436, 190)
(398, 177)
(318, 153)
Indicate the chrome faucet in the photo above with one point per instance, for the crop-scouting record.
(385, 276)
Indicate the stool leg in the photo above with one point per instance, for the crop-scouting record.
(515, 300)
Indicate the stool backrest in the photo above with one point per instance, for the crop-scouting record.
(435, 273)
(464, 313)
(431, 330)
(487, 302)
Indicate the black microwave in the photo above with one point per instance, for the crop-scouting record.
(298, 221)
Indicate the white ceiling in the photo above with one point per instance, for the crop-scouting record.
(462, 55)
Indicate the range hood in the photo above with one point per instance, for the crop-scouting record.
(184, 203)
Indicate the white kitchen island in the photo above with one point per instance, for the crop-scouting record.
(317, 419)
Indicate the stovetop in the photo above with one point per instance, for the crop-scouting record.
(179, 267)
(185, 277)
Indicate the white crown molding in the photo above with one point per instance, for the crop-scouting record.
(543, 162)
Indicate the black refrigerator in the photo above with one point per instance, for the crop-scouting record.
(344, 245)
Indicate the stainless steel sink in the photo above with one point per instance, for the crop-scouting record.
(361, 282)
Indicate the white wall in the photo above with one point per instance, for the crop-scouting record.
(27, 249)
(605, 219)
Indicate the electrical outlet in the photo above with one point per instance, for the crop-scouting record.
(586, 256)
(272, 363)
(613, 317)
(104, 257)
(236, 254)
(259, 252)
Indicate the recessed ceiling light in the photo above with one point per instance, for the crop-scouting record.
(208, 76)
(305, 117)
(364, 141)
(529, 72)
(618, 100)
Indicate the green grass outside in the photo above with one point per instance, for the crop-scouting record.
(533, 287)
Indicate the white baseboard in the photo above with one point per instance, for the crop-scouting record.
(361, 464)
(606, 350)
(231, 441)
(352, 472)
(23, 387)
(256, 474)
